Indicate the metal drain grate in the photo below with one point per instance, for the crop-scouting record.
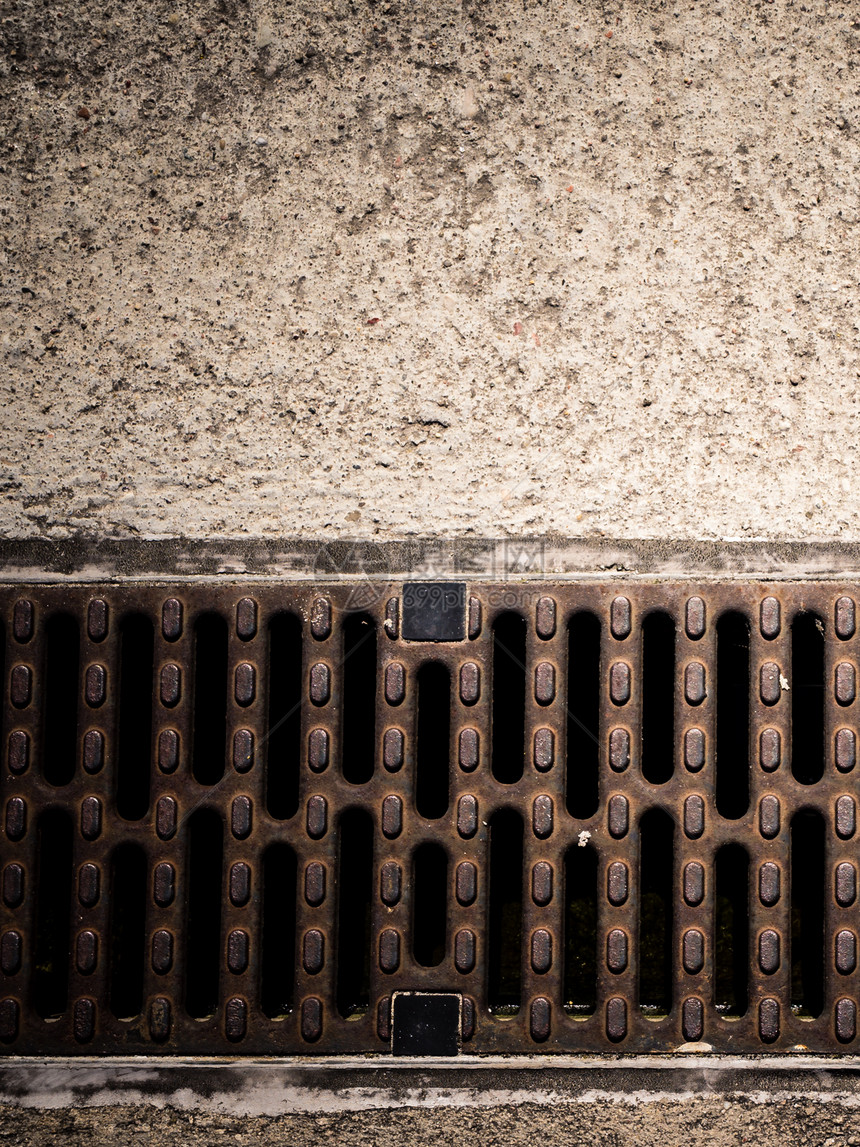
(243, 819)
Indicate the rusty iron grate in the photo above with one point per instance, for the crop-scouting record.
(589, 817)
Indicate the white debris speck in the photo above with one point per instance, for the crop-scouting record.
(584, 838)
(783, 683)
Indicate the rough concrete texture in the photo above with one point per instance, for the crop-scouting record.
(361, 269)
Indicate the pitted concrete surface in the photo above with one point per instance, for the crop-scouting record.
(383, 270)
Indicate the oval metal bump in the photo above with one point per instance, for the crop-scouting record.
(235, 1019)
(769, 618)
(16, 818)
(545, 683)
(695, 618)
(315, 881)
(619, 749)
(468, 1018)
(845, 750)
(162, 952)
(243, 750)
(95, 685)
(389, 950)
(13, 885)
(616, 1018)
(542, 883)
(19, 751)
(313, 951)
(769, 881)
(695, 689)
(475, 618)
(467, 816)
(390, 883)
(10, 953)
(84, 1020)
(164, 884)
(694, 883)
(464, 950)
(10, 1011)
(544, 749)
(171, 685)
(617, 883)
(694, 816)
(545, 613)
(694, 750)
(541, 951)
(91, 818)
(846, 1020)
(391, 625)
(171, 619)
(395, 682)
(320, 683)
(768, 1020)
(86, 952)
(241, 817)
(165, 817)
(22, 621)
(392, 749)
(470, 683)
(541, 1019)
(97, 619)
(693, 948)
(318, 750)
(846, 817)
(845, 952)
(845, 884)
(768, 817)
(469, 750)
(616, 951)
(317, 816)
(768, 951)
(246, 618)
(770, 750)
(21, 686)
(542, 816)
(89, 885)
(619, 683)
(844, 621)
(619, 816)
(245, 687)
(383, 1019)
(769, 683)
(94, 751)
(321, 618)
(845, 683)
(168, 750)
(620, 618)
(240, 884)
(693, 1019)
(466, 883)
(392, 816)
(312, 1019)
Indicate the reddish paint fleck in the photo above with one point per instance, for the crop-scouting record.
(372, 322)
(518, 328)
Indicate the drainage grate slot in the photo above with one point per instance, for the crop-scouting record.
(657, 833)
(807, 913)
(283, 745)
(583, 715)
(658, 698)
(731, 930)
(807, 698)
(430, 905)
(278, 955)
(127, 930)
(509, 697)
(52, 933)
(355, 892)
(210, 698)
(203, 915)
(135, 717)
(580, 931)
(432, 742)
(62, 688)
(506, 912)
(359, 698)
(733, 716)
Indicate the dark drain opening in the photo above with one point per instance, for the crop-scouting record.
(278, 941)
(807, 913)
(658, 698)
(203, 913)
(731, 930)
(50, 983)
(62, 688)
(284, 717)
(135, 717)
(504, 955)
(434, 733)
(807, 698)
(210, 698)
(657, 847)
(430, 905)
(733, 716)
(359, 698)
(509, 697)
(580, 931)
(583, 715)
(355, 893)
(127, 930)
